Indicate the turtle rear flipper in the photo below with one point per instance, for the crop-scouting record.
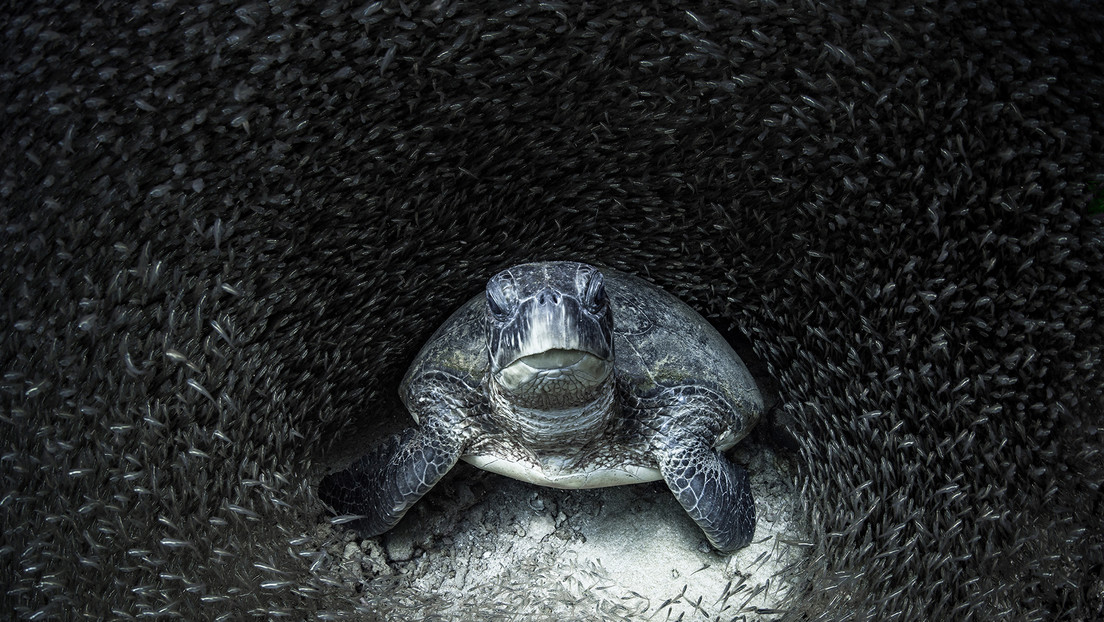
(715, 492)
(386, 482)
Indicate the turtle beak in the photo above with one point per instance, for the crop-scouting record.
(552, 352)
(579, 369)
(550, 330)
(554, 359)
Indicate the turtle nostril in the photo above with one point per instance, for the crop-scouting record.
(548, 297)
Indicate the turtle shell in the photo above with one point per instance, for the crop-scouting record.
(660, 344)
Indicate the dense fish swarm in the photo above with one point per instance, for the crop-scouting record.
(227, 228)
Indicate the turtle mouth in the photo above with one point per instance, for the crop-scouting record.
(579, 371)
(554, 359)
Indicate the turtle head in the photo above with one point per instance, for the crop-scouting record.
(549, 334)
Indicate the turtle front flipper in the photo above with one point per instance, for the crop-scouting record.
(715, 492)
(386, 482)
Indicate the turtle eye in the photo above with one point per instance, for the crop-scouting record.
(595, 295)
(499, 298)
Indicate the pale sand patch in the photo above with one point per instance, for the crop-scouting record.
(482, 546)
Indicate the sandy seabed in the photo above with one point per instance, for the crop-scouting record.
(483, 546)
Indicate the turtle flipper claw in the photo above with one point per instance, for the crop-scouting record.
(715, 492)
(386, 482)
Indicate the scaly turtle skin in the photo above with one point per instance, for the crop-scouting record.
(562, 376)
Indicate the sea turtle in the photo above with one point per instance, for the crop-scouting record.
(564, 376)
